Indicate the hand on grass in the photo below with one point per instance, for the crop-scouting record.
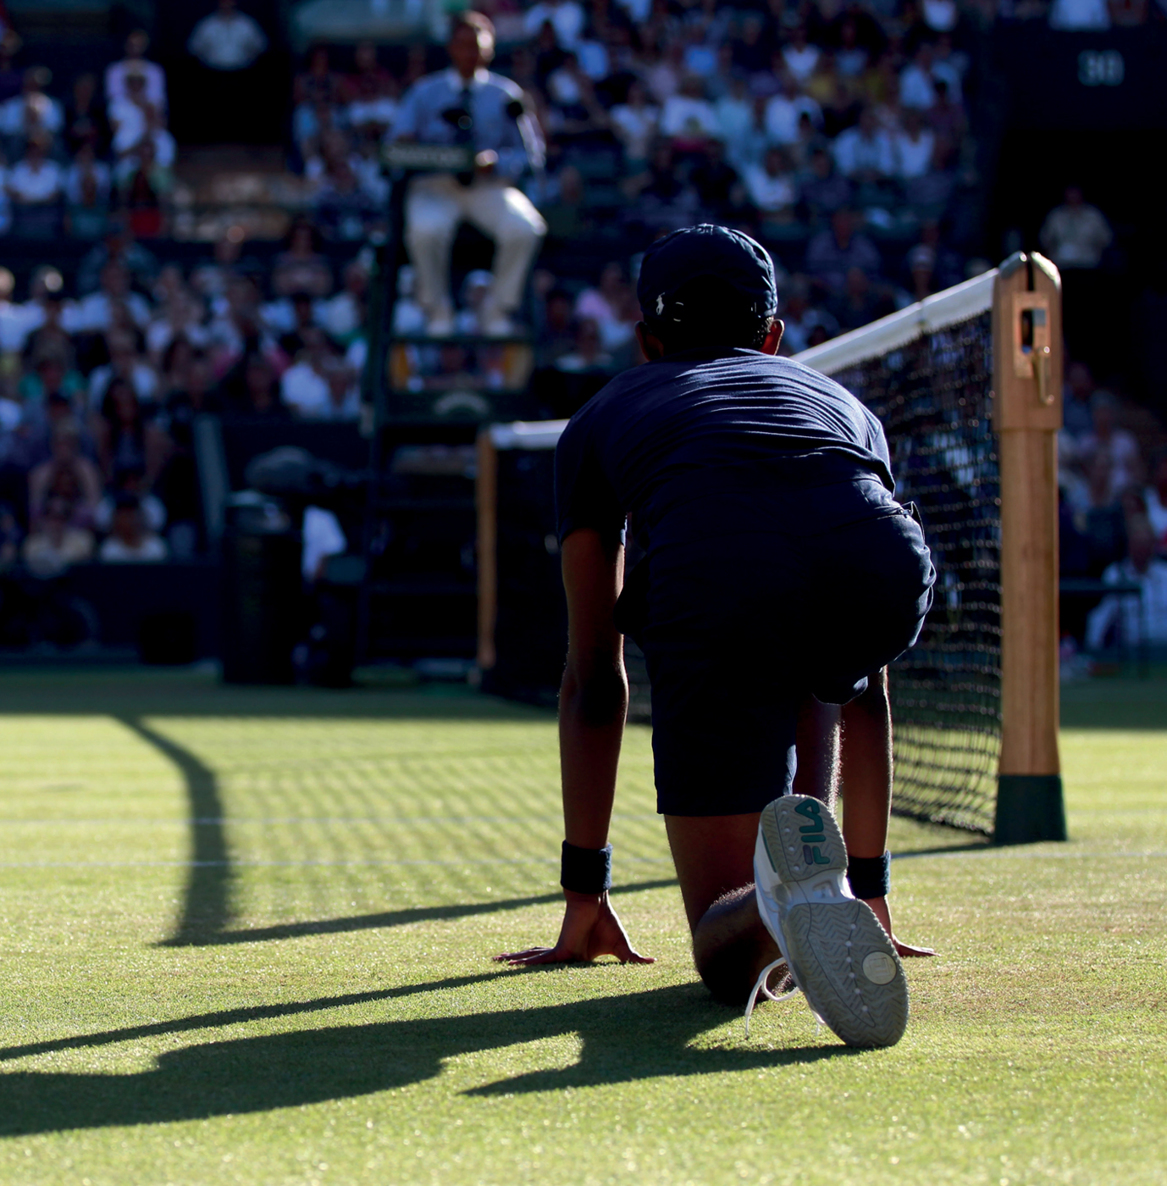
(905, 950)
(590, 929)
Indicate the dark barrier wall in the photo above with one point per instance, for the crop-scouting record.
(1085, 81)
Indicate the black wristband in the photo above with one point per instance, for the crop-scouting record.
(869, 877)
(586, 870)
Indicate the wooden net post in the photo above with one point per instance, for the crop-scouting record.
(1027, 414)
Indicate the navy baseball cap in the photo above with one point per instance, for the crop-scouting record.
(706, 250)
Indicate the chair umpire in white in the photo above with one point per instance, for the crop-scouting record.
(467, 104)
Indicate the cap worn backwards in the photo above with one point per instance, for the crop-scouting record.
(706, 250)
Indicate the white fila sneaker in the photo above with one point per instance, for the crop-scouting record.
(832, 943)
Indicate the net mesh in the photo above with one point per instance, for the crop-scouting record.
(934, 399)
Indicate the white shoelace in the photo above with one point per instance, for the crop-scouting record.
(761, 988)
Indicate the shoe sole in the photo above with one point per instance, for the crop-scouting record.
(836, 949)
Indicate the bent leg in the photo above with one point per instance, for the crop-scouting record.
(714, 859)
(432, 213)
(506, 214)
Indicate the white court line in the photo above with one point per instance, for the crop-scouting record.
(223, 821)
(296, 864)
(986, 852)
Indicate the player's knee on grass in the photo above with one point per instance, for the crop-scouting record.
(731, 947)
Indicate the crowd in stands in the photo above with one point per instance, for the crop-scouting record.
(1113, 520)
(837, 132)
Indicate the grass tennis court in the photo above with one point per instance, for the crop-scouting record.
(312, 1000)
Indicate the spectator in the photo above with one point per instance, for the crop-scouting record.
(634, 123)
(130, 540)
(833, 252)
(125, 438)
(864, 152)
(611, 306)
(913, 147)
(86, 125)
(303, 325)
(859, 302)
(304, 385)
(1114, 448)
(1079, 15)
(688, 117)
(589, 354)
(32, 113)
(1075, 234)
(917, 85)
(258, 394)
(98, 312)
(144, 187)
(300, 267)
(35, 186)
(798, 56)
(131, 482)
(228, 45)
(228, 40)
(771, 189)
(135, 62)
(823, 190)
(719, 187)
(56, 543)
(66, 460)
(806, 324)
(1076, 414)
(566, 215)
(11, 79)
(556, 335)
(129, 116)
(785, 109)
(1138, 619)
(1156, 499)
(344, 396)
(565, 17)
(319, 84)
(734, 111)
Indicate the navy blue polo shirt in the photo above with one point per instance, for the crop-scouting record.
(661, 438)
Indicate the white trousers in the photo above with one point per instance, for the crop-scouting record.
(434, 207)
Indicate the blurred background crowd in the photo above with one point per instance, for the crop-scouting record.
(188, 231)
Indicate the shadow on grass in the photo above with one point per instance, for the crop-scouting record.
(626, 1038)
(398, 918)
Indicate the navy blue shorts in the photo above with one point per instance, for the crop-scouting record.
(824, 589)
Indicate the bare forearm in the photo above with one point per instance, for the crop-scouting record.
(867, 770)
(591, 728)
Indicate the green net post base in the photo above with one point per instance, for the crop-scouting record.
(1029, 808)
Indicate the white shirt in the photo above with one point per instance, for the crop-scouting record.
(734, 117)
(685, 116)
(155, 76)
(769, 193)
(1123, 609)
(801, 62)
(1076, 236)
(91, 313)
(227, 41)
(912, 158)
(782, 115)
(322, 536)
(1079, 14)
(304, 391)
(635, 126)
(12, 115)
(916, 89)
(149, 551)
(129, 124)
(42, 184)
(856, 153)
(153, 512)
(142, 378)
(567, 19)
(1157, 514)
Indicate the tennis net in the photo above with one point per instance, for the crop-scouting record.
(927, 373)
